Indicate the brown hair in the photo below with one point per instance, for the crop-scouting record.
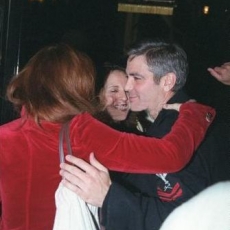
(56, 84)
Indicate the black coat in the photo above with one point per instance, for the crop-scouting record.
(142, 202)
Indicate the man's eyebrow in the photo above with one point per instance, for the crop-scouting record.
(135, 75)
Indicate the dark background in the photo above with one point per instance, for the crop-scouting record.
(97, 28)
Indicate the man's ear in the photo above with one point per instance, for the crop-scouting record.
(168, 81)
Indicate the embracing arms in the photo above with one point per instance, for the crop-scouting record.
(131, 153)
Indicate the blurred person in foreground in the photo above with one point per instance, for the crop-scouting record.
(208, 210)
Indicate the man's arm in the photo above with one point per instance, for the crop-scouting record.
(125, 210)
(120, 208)
(221, 73)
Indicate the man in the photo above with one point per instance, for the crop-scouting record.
(156, 72)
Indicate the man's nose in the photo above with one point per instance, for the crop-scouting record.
(129, 85)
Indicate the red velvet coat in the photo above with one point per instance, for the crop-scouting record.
(29, 160)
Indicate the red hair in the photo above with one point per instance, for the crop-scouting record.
(56, 84)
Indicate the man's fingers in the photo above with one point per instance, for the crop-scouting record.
(94, 162)
(70, 186)
(78, 162)
(74, 188)
(191, 100)
(90, 182)
(175, 106)
(73, 175)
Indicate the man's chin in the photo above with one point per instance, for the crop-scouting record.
(136, 108)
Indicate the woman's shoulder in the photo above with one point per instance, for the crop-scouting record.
(11, 126)
(80, 118)
(83, 121)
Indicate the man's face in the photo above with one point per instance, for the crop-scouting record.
(144, 93)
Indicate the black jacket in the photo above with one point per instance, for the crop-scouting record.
(142, 202)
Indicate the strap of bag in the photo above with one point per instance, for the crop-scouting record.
(64, 137)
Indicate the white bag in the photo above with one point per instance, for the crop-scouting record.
(72, 213)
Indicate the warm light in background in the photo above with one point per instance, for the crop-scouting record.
(36, 0)
(41, 1)
(206, 10)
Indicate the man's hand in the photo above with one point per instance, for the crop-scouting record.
(176, 106)
(221, 73)
(89, 181)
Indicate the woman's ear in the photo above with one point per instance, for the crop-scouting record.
(168, 81)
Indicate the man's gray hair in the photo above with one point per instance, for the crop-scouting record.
(163, 58)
